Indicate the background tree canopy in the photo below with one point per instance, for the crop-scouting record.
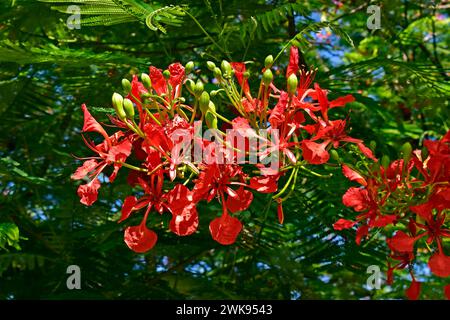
(398, 75)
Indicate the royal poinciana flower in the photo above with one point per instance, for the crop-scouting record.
(171, 168)
(413, 195)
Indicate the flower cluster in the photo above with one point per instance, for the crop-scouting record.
(412, 196)
(172, 167)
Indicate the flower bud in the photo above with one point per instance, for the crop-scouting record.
(189, 67)
(267, 77)
(334, 154)
(268, 61)
(145, 78)
(166, 74)
(246, 74)
(204, 102)
(385, 161)
(211, 65)
(292, 83)
(117, 101)
(126, 85)
(217, 73)
(406, 151)
(190, 84)
(226, 68)
(129, 108)
(211, 120)
(198, 89)
(182, 99)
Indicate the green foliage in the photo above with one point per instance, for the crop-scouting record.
(111, 12)
(9, 236)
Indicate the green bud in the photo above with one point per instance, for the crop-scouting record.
(211, 65)
(129, 108)
(214, 93)
(190, 84)
(246, 74)
(166, 74)
(117, 101)
(268, 61)
(211, 120)
(126, 85)
(204, 102)
(199, 87)
(217, 73)
(406, 151)
(292, 83)
(182, 99)
(334, 155)
(226, 68)
(385, 161)
(145, 78)
(189, 67)
(267, 77)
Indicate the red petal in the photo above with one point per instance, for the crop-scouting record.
(83, 170)
(401, 242)
(366, 151)
(360, 233)
(185, 222)
(315, 153)
(127, 206)
(439, 264)
(158, 82)
(88, 193)
(277, 117)
(413, 291)
(447, 289)
(178, 198)
(423, 210)
(280, 212)
(341, 101)
(356, 198)
(139, 238)
(90, 124)
(225, 229)
(239, 69)
(264, 184)
(241, 202)
(342, 224)
(383, 220)
(137, 88)
(353, 175)
(293, 62)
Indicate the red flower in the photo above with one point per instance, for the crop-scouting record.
(112, 151)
